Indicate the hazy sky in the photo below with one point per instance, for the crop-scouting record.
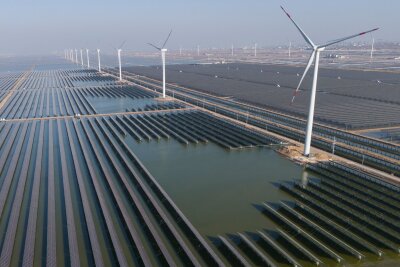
(43, 26)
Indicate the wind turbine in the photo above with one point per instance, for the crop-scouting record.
(163, 50)
(290, 46)
(372, 47)
(315, 55)
(255, 50)
(98, 58)
(76, 56)
(232, 50)
(87, 57)
(82, 58)
(198, 50)
(119, 50)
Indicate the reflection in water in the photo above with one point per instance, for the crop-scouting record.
(304, 179)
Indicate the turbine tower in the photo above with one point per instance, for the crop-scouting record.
(255, 50)
(82, 58)
(98, 59)
(87, 57)
(314, 58)
(232, 50)
(163, 51)
(372, 47)
(119, 63)
(76, 56)
(198, 50)
(290, 46)
(119, 50)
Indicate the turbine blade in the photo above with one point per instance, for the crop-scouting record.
(310, 61)
(306, 38)
(346, 38)
(156, 47)
(122, 44)
(166, 40)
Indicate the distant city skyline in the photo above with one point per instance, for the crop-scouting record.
(40, 27)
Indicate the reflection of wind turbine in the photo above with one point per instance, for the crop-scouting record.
(315, 54)
(163, 50)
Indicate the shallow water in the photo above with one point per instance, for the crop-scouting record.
(215, 188)
(120, 104)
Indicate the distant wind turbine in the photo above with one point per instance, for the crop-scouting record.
(98, 59)
(255, 50)
(87, 57)
(119, 50)
(81, 57)
(315, 54)
(372, 47)
(290, 46)
(76, 56)
(163, 50)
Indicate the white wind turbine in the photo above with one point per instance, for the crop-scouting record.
(119, 50)
(372, 47)
(82, 58)
(98, 59)
(87, 57)
(163, 50)
(314, 55)
(76, 56)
